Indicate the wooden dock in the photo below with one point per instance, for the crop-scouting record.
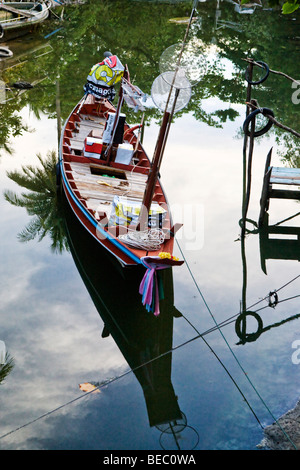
(286, 178)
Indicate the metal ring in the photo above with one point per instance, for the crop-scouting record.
(265, 66)
(273, 303)
(251, 116)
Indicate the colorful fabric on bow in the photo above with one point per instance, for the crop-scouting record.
(151, 287)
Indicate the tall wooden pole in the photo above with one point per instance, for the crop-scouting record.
(153, 174)
(161, 141)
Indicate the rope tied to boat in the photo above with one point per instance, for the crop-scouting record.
(148, 240)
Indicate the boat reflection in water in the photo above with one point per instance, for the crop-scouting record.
(143, 339)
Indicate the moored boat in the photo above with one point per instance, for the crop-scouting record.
(106, 193)
(109, 181)
(16, 18)
(106, 176)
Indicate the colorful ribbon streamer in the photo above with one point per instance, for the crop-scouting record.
(151, 287)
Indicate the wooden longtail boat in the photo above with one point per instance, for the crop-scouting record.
(98, 189)
(17, 18)
(106, 185)
(108, 179)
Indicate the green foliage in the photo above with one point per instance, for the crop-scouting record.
(6, 368)
(42, 202)
(288, 7)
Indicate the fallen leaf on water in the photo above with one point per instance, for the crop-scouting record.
(88, 387)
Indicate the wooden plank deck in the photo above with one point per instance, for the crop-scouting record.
(88, 125)
(99, 191)
(285, 176)
(20, 11)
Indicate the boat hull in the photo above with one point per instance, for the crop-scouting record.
(11, 28)
(82, 188)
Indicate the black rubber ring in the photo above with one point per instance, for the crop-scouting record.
(251, 116)
(265, 66)
(250, 336)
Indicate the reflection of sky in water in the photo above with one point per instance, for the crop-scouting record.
(53, 331)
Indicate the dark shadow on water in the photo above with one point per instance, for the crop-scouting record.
(144, 340)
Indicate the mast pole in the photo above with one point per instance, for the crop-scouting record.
(161, 140)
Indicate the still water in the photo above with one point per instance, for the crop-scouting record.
(68, 317)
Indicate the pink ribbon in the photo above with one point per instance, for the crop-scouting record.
(149, 288)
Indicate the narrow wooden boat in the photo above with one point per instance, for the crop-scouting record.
(17, 18)
(110, 183)
(106, 186)
(99, 189)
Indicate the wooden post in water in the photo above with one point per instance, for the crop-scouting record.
(58, 111)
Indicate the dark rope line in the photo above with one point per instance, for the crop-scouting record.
(110, 381)
(232, 352)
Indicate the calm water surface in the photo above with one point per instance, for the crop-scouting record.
(58, 305)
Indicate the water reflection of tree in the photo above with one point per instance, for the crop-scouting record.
(6, 368)
(138, 33)
(14, 126)
(42, 202)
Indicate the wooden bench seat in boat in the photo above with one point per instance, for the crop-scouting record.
(87, 171)
(87, 126)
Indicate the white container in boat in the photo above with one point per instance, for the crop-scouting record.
(124, 154)
(2, 352)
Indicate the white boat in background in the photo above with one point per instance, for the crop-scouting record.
(16, 18)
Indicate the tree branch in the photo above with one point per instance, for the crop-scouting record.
(251, 61)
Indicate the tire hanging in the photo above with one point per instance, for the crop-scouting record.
(258, 82)
(266, 112)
